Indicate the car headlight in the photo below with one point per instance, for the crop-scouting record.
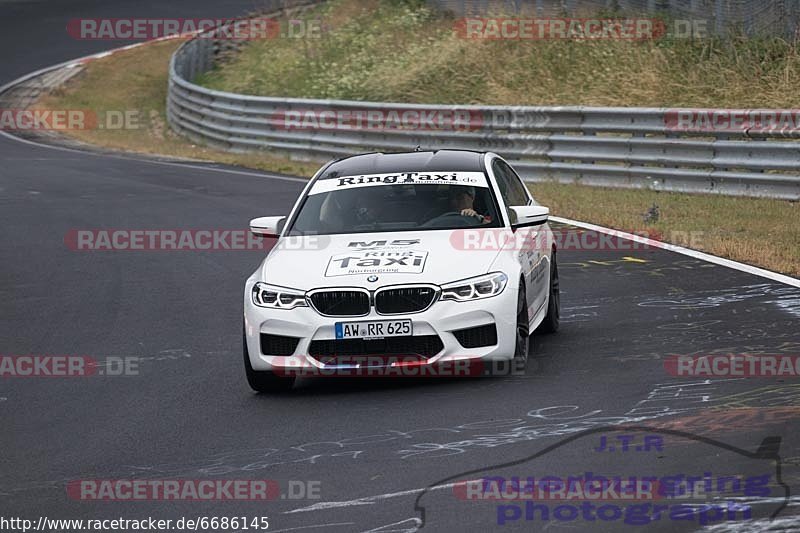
(274, 297)
(475, 288)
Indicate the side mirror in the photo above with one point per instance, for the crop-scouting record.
(267, 226)
(528, 215)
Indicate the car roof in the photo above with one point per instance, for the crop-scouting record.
(422, 161)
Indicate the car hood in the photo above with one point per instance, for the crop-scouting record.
(433, 256)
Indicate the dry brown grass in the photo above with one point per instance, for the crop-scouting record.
(136, 80)
(757, 231)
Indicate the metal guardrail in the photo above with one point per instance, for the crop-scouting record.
(618, 147)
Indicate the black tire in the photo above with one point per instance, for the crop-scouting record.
(553, 317)
(522, 343)
(263, 380)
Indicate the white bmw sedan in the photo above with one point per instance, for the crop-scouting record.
(387, 261)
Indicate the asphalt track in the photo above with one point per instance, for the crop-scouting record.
(375, 447)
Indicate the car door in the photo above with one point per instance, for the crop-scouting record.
(530, 254)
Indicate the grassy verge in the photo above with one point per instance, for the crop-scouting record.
(756, 231)
(136, 81)
(368, 42)
(397, 51)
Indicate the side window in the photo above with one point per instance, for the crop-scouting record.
(511, 187)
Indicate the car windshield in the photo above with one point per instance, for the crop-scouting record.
(405, 202)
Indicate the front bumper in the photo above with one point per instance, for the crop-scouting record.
(440, 320)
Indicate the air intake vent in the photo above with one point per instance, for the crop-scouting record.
(422, 345)
(278, 344)
(477, 337)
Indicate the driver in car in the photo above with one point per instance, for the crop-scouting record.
(461, 201)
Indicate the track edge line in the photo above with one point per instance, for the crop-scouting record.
(729, 263)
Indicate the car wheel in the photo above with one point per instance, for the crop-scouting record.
(263, 380)
(521, 345)
(552, 319)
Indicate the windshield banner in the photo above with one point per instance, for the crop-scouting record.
(474, 179)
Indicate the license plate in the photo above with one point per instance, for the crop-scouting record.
(373, 330)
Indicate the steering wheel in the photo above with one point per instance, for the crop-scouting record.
(452, 218)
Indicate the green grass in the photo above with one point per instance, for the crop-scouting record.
(383, 50)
